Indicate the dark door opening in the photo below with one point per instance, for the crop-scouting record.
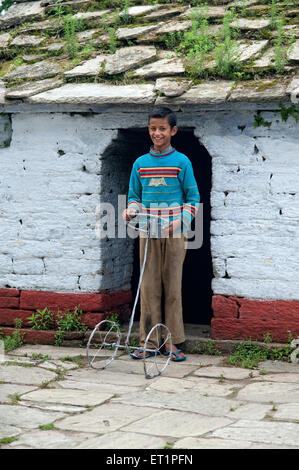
(198, 271)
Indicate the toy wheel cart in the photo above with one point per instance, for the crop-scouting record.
(106, 339)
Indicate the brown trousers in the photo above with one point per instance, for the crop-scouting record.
(163, 268)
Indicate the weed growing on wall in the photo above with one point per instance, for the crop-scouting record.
(42, 319)
(282, 44)
(197, 43)
(226, 51)
(71, 26)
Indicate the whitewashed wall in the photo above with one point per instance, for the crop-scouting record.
(60, 166)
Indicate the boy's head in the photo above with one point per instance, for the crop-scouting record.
(162, 126)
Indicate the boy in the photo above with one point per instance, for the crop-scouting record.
(163, 178)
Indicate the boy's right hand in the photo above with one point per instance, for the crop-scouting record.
(129, 213)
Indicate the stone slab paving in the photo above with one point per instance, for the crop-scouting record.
(200, 403)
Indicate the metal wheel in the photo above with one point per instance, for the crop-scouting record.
(158, 361)
(103, 344)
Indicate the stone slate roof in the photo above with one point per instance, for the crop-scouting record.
(131, 53)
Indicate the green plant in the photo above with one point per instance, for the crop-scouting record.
(273, 14)
(112, 41)
(247, 355)
(42, 319)
(59, 338)
(126, 18)
(280, 52)
(46, 427)
(12, 342)
(285, 112)
(71, 25)
(197, 43)
(267, 338)
(113, 317)
(71, 321)
(260, 121)
(227, 49)
(7, 440)
(15, 397)
(18, 322)
(5, 5)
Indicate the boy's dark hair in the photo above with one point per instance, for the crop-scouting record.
(164, 113)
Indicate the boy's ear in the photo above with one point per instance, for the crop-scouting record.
(174, 130)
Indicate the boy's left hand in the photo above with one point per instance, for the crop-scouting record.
(172, 227)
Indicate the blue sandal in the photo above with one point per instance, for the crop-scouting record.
(177, 359)
(140, 350)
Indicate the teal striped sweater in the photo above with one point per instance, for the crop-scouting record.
(164, 184)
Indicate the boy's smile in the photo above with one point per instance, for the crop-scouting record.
(161, 133)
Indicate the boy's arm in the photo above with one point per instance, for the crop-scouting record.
(135, 191)
(192, 197)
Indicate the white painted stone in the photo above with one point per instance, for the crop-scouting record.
(51, 439)
(90, 15)
(4, 39)
(7, 391)
(266, 392)
(208, 92)
(26, 418)
(72, 397)
(279, 366)
(169, 27)
(127, 58)
(134, 32)
(105, 418)
(263, 90)
(293, 54)
(209, 12)
(255, 411)
(109, 377)
(215, 443)
(196, 403)
(123, 440)
(25, 375)
(235, 373)
(249, 49)
(89, 93)
(7, 430)
(249, 24)
(140, 9)
(266, 289)
(21, 13)
(32, 88)
(163, 67)
(265, 61)
(261, 431)
(24, 41)
(287, 377)
(287, 411)
(116, 389)
(33, 71)
(177, 424)
(277, 267)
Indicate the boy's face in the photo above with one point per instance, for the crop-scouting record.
(161, 133)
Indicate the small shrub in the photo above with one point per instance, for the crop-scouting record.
(42, 319)
(226, 51)
(12, 342)
(71, 321)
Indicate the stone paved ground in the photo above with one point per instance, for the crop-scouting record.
(51, 403)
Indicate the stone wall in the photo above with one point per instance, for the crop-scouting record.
(57, 167)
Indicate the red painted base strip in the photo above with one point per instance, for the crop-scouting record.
(95, 307)
(240, 318)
